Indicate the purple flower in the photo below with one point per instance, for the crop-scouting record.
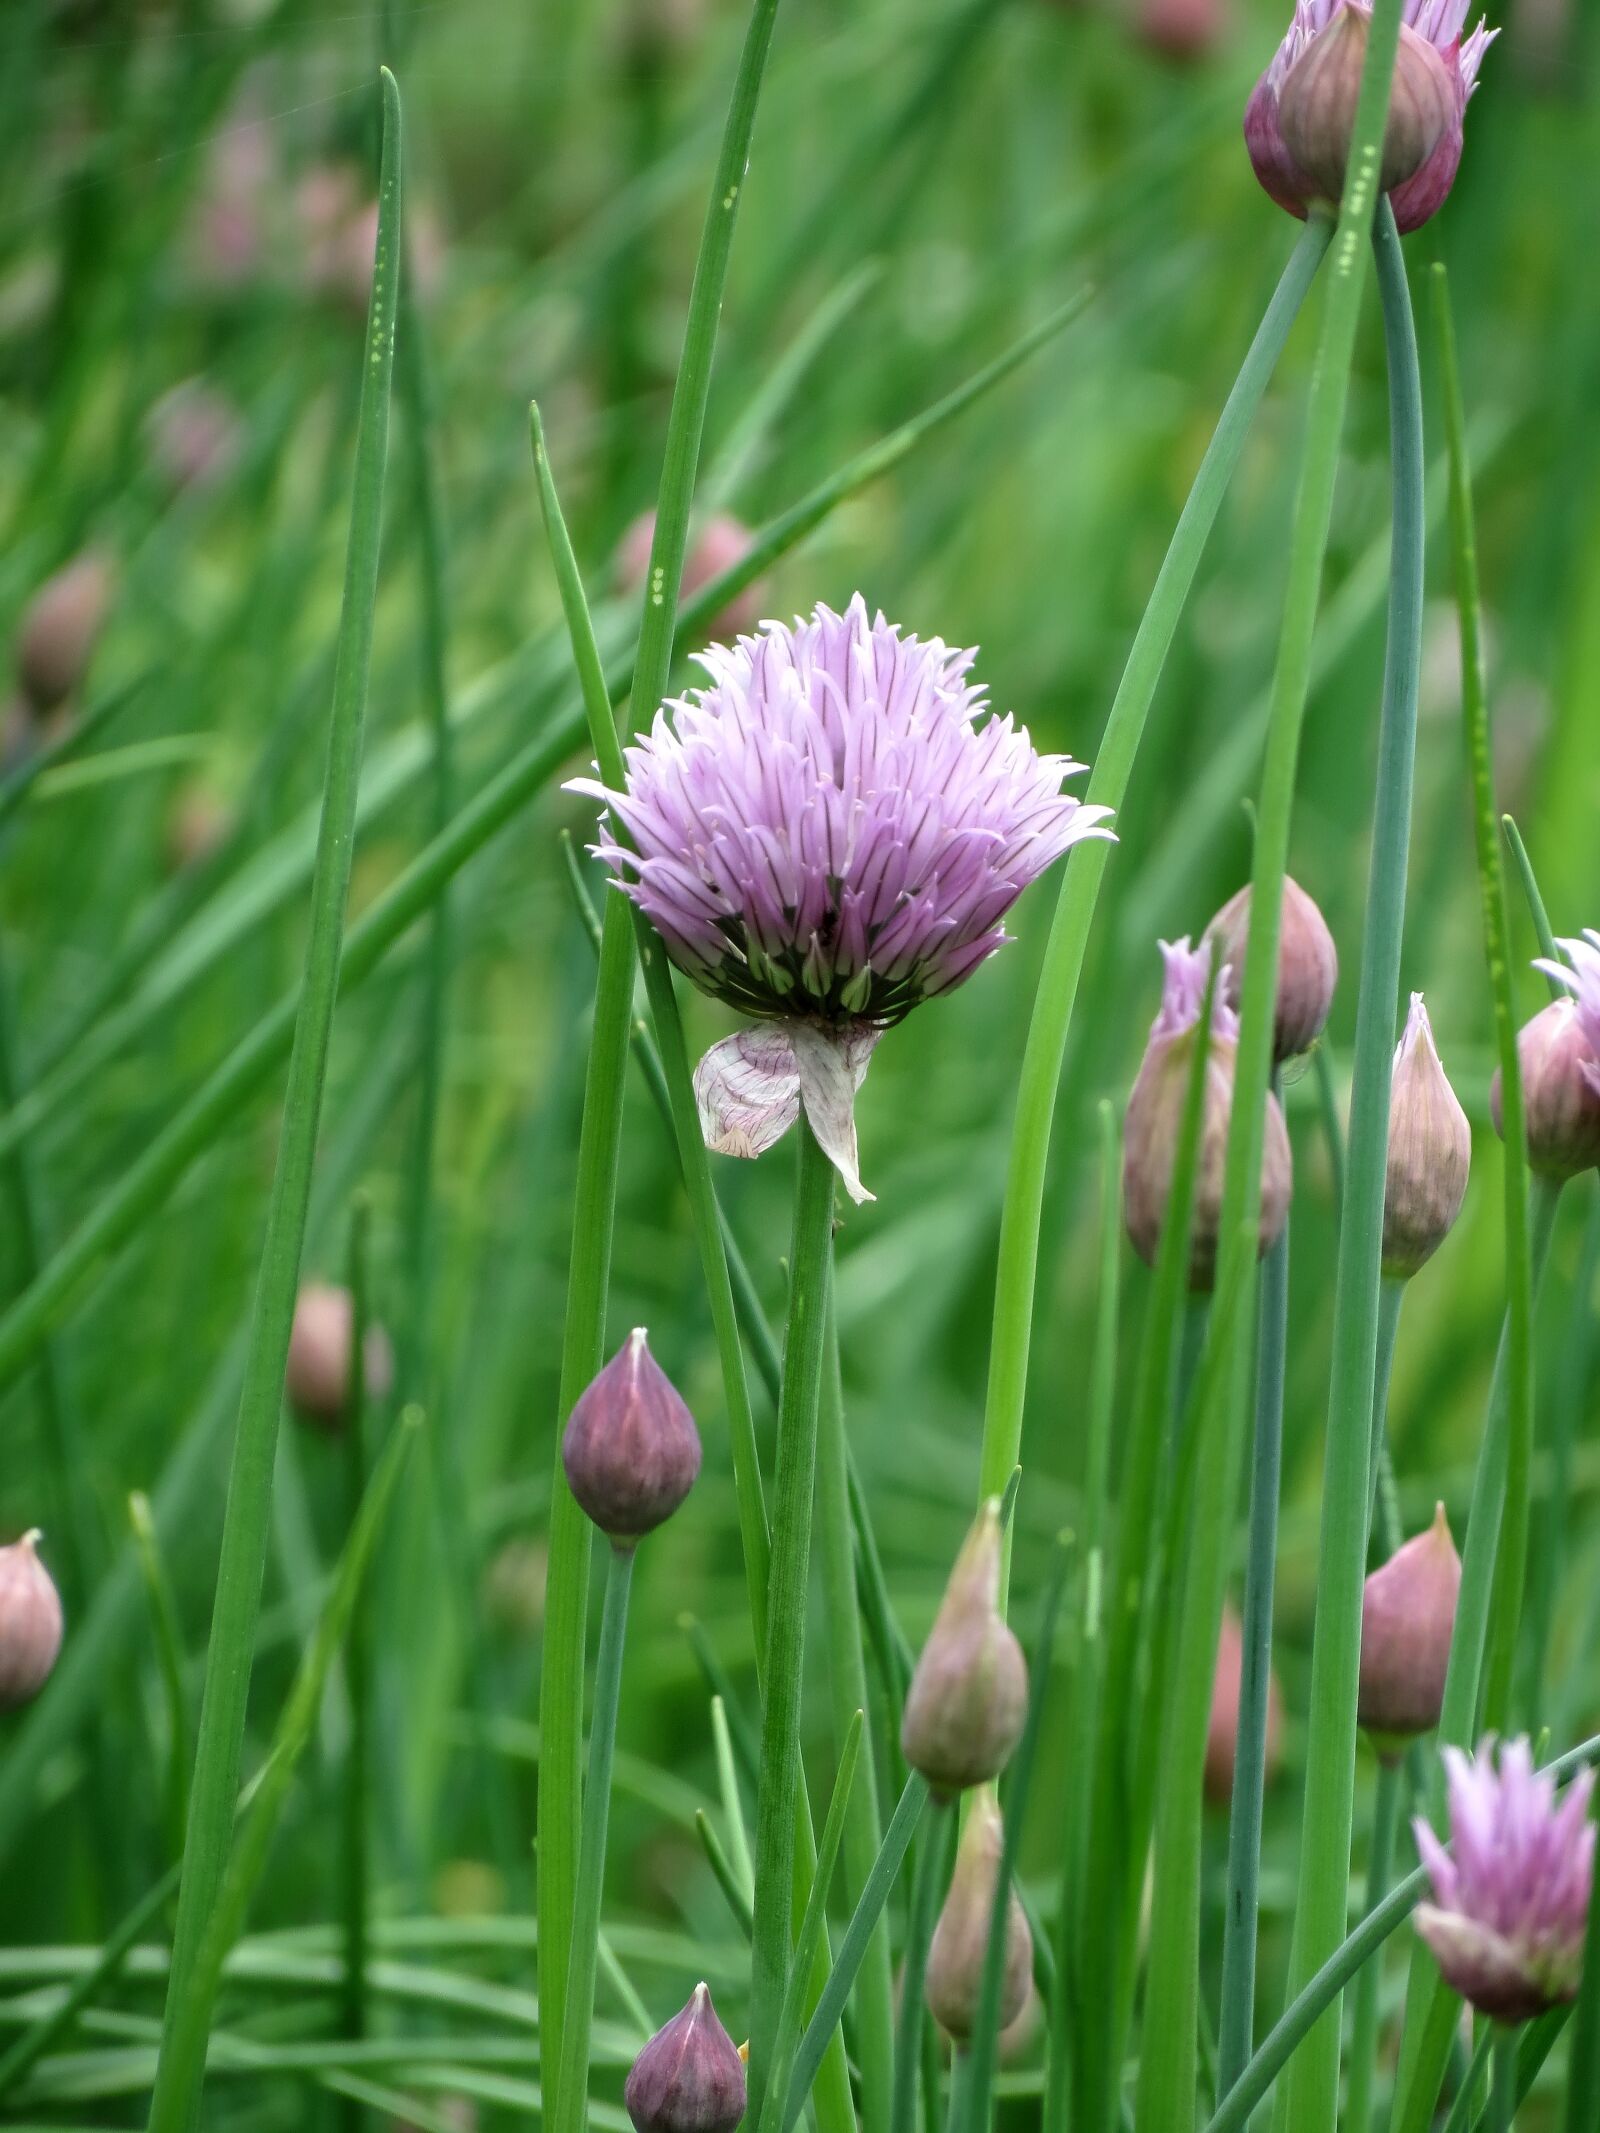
(823, 837)
(1298, 123)
(1583, 982)
(1512, 1903)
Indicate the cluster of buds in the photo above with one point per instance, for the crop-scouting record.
(690, 2077)
(317, 1375)
(961, 1937)
(30, 1622)
(630, 1449)
(1408, 1617)
(1430, 1152)
(1558, 1053)
(969, 1694)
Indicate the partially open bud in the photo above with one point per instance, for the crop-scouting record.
(1408, 1616)
(689, 2078)
(960, 1939)
(631, 1450)
(969, 1695)
(1154, 1121)
(30, 1622)
(316, 1376)
(1308, 966)
(1222, 1729)
(720, 543)
(1560, 1093)
(1430, 1152)
(1317, 107)
(60, 627)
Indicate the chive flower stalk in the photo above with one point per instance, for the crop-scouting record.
(1155, 1116)
(1408, 1617)
(690, 2077)
(1308, 966)
(961, 1938)
(1559, 1054)
(825, 836)
(1300, 118)
(30, 1622)
(969, 1694)
(1511, 1897)
(1430, 1152)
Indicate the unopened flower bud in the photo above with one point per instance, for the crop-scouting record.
(1222, 1729)
(631, 1450)
(1430, 1152)
(1308, 966)
(969, 1695)
(200, 824)
(960, 1939)
(1317, 107)
(1408, 1616)
(1560, 1093)
(718, 545)
(1154, 1121)
(30, 1622)
(194, 436)
(316, 1375)
(59, 629)
(1180, 29)
(689, 2078)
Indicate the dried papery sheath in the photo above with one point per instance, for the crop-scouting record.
(1155, 1119)
(30, 1622)
(689, 2078)
(969, 1695)
(1308, 966)
(1408, 1616)
(1301, 116)
(1511, 1897)
(1430, 1152)
(961, 1938)
(316, 1375)
(1558, 1052)
(631, 1450)
(825, 836)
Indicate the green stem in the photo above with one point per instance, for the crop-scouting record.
(1380, 1864)
(1384, 1510)
(1016, 1273)
(1503, 2094)
(357, 1668)
(794, 1480)
(1309, 2099)
(228, 1661)
(571, 2109)
(1236, 2027)
(960, 2090)
(1583, 2066)
(925, 1886)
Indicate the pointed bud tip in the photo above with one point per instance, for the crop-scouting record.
(1429, 1154)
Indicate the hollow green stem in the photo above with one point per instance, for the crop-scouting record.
(355, 1864)
(1364, 2033)
(927, 1881)
(1236, 2025)
(1503, 2092)
(571, 2110)
(794, 1481)
(1308, 2101)
(1384, 1512)
(1016, 1273)
(1583, 2065)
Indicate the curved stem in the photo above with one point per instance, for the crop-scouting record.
(1250, 1754)
(571, 2109)
(794, 1479)
(1380, 1864)
(1309, 2099)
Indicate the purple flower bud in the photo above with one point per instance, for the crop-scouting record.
(316, 1375)
(1560, 1066)
(720, 543)
(690, 2077)
(1430, 1152)
(969, 1695)
(1155, 1120)
(1299, 121)
(631, 1450)
(30, 1622)
(960, 1939)
(59, 629)
(1222, 1728)
(1308, 966)
(1408, 1616)
(1180, 30)
(1512, 1903)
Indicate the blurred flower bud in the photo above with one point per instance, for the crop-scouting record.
(1430, 1152)
(956, 1952)
(514, 1587)
(1559, 1093)
(317, 1374)
(338, 236)
(969, 1695)
(631, 1450)
(1308, 966)
(1222, 1730)
(1408, 1616)
(199, 825)
(59, 629)
(690, 2077)
(30, 1622)
(1180, 30)
(720, 543)
(1154, 1120)
(194, 436)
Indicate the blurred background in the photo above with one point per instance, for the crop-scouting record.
(185, 243)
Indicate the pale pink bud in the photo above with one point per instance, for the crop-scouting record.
(1560, 1092)
(1430, 1152)
(969, 1695)
(960, 1939)
(316, 1376)
(1408, 1616)
(200, 824)
(1308, 966)
(30, 1622)
(717, 546)
(1222, 1730)
(194, 436)
(1180, 30)
(630, 1448)
(60, 628)
(690, 2077)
